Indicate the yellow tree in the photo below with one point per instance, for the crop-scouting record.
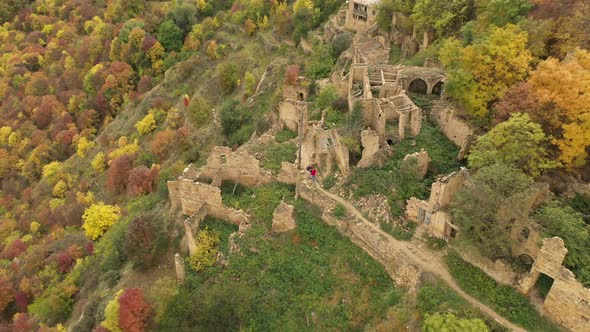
(481, 73)
(98, 218)
(566, 85)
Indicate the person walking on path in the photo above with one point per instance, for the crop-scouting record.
(312, 172)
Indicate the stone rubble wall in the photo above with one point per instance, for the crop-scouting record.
(456, 129)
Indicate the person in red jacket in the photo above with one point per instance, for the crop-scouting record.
(313, 172)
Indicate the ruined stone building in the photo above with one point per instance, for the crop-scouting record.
(361, 14)
(433, 213)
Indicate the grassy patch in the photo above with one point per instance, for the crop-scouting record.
(220, 227)
(273, 154)
(339, 211)
(505, 300)
(310, 279)
(395, 54)
(285, 135)
(329, 182)
(435, 243)
(403, 233)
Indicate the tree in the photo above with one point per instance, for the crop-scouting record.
(320, 62)
(480, 73)
(98, 218)
(98, 163)
(118, 174)
(442, 16)
(450, 323)
(134, 312)
(566, 85)
(111, 314)
(475, 208)
(304, 17)
(386, 10)
(84, 145)
(517, 142)
(170, 36)
(144, 239)
(502, 12)
(142, 180)
(7, 291)
(146, 125)
(162, 143)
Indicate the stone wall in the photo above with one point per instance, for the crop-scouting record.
(190, 196)
(223, 164)
(290, 113)
(353, 22)
(370, 143)
(456, 129)
(567, 302)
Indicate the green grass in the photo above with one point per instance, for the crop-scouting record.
(310, 279)
(339, 211)
(368, 181)
(329, 182)
(395, 54)
(403, 233)
(436, 297)
(285, 135)
(505, 300)
(273, 154)
(221, 228)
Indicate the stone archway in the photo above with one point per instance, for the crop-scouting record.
(418, 85)
(437, 88)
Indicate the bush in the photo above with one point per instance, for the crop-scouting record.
(118, 174)
(98, 218)
(228, 74)
(339, 211)
(340, 43)
(170, 36)
(142, 180)
(146, 125)
(503, 299)
(134, 312)
(320, 62)
(205, 254)
(144, 240)
(285, 135)
(327, 96)
(329, 182)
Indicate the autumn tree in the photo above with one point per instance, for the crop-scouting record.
(118, 174)
(162, 143)
(144, 239)
(566, 85)
(517, 142)
(142, 180)
(7, 290)
(98, 218)
(134, 312)
(170, 35)
(478, 74)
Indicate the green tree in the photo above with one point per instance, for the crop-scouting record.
(502, 12)
(518, 142)
(442, 16)
(228, 74)
(475, 207)
(480, 73)
(320, 62)
(450, 323)
(170, 36)
(386, 9)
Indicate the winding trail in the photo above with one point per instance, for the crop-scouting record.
(427, 261)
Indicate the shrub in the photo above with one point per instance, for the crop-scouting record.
(134, 312)
(292, 74)
(339, 211)
(285, 135)
(170, 36)
(84, 145)
(118, 174)
(144, 239)
(146, 125)
(98, 163)
(142, 180)
(162, 143)
(320, 62)
(98, 218)
(228, 74)
(327, 96)
(111, 314)
(329, 182)
(205, 254)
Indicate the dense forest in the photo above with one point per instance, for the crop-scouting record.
(103, 101)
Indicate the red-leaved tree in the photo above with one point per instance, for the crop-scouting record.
(134, 312)
(118, 175)
(142, 180)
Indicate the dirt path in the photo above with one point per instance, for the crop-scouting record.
(426, 260)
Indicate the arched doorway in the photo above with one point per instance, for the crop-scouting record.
(437, 88)
(418, 86)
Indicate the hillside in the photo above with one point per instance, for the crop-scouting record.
(153, 155)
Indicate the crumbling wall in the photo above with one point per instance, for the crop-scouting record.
(444, 189)
(567, 302)
(224, 164)
(193, 195)
(370, 142)
(422, 161)
(324, 148)
(282, 218)
(291, 114)
(456, 129)
(299, 91)
(354, 22)
(288, 173)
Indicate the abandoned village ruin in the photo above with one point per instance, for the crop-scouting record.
(390, 116)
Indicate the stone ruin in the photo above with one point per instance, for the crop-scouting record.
(433, 212)
(361, 15)
(422, 161)
(568, 301)
(282, 218)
